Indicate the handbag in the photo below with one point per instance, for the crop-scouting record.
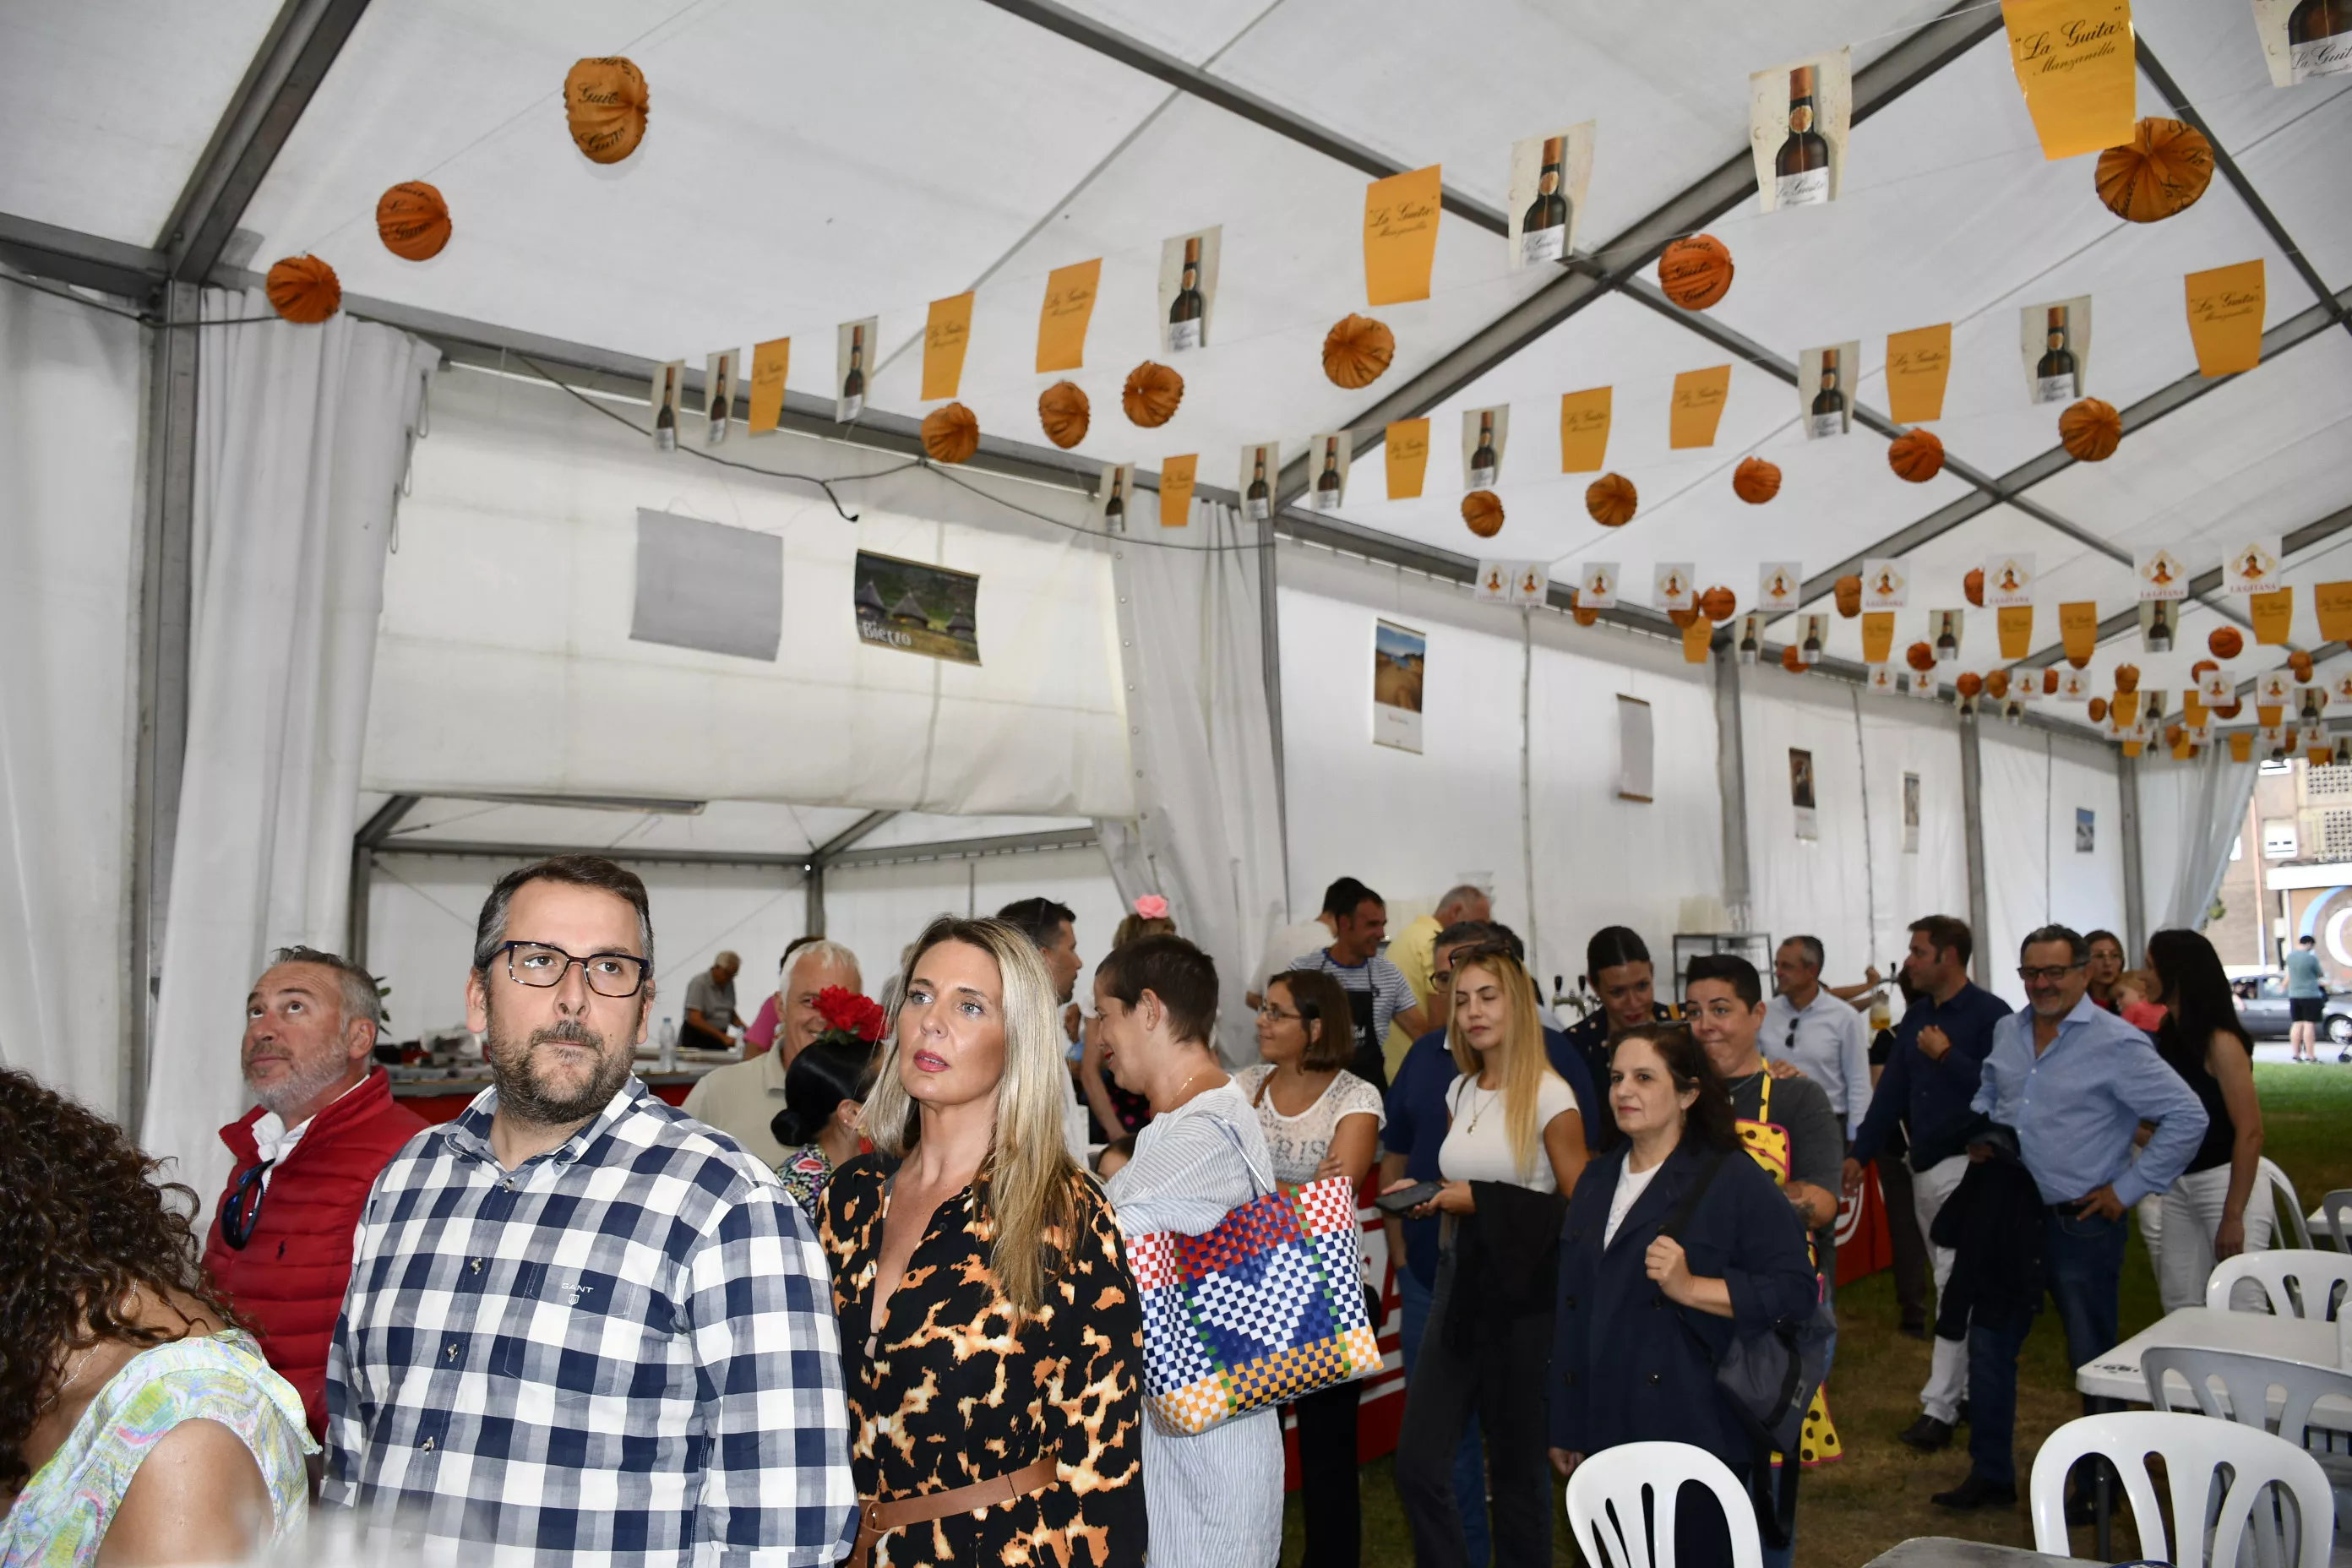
(1266, 1307)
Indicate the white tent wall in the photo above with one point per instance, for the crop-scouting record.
(70, 387)
(1933, 878)
(2035, 872)
(2190, 814)
(506, 662)
(876, 910)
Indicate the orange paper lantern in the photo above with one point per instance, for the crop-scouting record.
(604, 101)
(1848, 589)
(1682, 618)
(1920, 656)
(1756, 481)
(1793, 660)
(2164, 167)
(1970, 684)
(2201, 668)
(2126, 677)
(2098, 710)
(2300, 663)
(2049, 682)
(2231, 711)
(2227, 642)
(1973, 586)
(1695, 271)
(1584, 617)
(1063, 409)
(1357, 350)
(304, 290)
(951, 434)
(1483, 510)
(1612, 500)
(412, 221)
(1719, 603)
(1996, 684)
(1916, 455)
(2091, 430)
(1152, 392)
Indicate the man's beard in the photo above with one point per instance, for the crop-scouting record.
(523, 1093)
(301, 1085)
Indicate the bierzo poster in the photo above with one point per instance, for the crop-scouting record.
(906, 605)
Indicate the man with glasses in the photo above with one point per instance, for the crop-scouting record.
(2075, 1083)
(1816, 1033)
(324, 1122)
(580, 1321)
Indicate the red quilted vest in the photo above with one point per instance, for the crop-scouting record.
(287, 1283)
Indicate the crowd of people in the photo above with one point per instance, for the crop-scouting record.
(865, 1296)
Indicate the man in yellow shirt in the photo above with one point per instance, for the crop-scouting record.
(1412, 949)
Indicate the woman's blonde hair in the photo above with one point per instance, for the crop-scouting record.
(1029, 1189)
(1524, 1064)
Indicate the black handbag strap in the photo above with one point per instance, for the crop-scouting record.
(1689, 1206)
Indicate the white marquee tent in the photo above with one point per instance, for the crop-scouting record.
(307, 629)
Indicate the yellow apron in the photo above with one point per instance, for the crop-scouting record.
(1766, 1143)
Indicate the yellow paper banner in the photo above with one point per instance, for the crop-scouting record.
(945, 337)
(1176, 489)
(2273, 615)
(2334, 603)
(2192, 707)
(2242, 745)
(1698, 406)
(1696, 639)
(1918, 362)
(1583, 430)
(2125, 708)
(2074, 61)
(770, 362)
(1877, 636)
(2133, 748)
(1069, 306)
(2270, 718)
(2078, 628)
(1400, 236)
(2185, 750)
(2016, 625)
(2225, 317)
(1406, 445)
(2318, 756)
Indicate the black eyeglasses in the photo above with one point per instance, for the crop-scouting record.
(242, 1213)
(2034, 976)
(535, 964)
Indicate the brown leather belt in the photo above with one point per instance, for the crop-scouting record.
(877, 1518)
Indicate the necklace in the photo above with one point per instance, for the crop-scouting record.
(1492, 1095)
(1178, 1098)
(72, 1373)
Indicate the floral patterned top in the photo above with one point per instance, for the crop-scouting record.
(60, 1519)
(952, 1391)
(1299, 1143)
(804, 1173)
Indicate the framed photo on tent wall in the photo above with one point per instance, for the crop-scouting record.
(1800, 794)
(1400, 657)
(1910, 813)
(916, 607)
(2087, 830)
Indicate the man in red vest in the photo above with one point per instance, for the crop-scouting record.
(280, 1245)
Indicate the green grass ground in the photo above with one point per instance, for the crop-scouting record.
(1878, 1495)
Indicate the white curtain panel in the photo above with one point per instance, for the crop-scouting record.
(70, 424)
(2190, 814)
(302, 436)
(1207, 830)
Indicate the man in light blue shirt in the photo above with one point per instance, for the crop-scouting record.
(2074, 1082)
(1817, 1033)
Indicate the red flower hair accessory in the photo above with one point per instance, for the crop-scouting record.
(848, 1012)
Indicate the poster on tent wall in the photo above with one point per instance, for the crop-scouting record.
(1329, 450)
(916, 608)
(1188, 288)
(1825, 378)
(1636, 750)
(853, 347)
(2302, 41)
(2055, 340)
(1910, 813)
(1798, 117)
(1549, 175)
(1800, 794)
(1484, 433)
(703, 584)
(2087, 830)
(1261, 465)
(669, 401)
(1399, 655)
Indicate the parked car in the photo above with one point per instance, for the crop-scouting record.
(2262, 1008)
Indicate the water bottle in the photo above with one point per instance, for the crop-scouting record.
(668, 1047)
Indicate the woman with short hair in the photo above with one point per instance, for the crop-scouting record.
(991, 1339)
(824, 1094)
(2210, 1211)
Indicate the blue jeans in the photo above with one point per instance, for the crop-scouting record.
(1469, 1462)
(2084, 1260)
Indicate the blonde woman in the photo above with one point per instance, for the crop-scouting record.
(1514, 1147)
(991, 1339)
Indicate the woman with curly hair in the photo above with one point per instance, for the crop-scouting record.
(136, 1418)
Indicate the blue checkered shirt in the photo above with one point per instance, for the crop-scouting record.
(622, 1352)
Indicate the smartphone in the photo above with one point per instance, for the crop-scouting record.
(1406, 1199)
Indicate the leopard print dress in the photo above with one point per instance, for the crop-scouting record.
(953, 1392)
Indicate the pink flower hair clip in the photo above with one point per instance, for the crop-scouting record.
(1152, 907)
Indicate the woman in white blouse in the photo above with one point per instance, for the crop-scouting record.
(1513, 1146)
(1320, 1121)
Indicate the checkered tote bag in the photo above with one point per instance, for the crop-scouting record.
(1266, 1307)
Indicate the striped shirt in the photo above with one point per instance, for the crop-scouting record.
(620, 1353)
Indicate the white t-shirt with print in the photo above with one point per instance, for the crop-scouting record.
(1299, 1143)
(1477, 1146)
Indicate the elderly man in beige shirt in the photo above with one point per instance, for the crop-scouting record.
(741, 1099)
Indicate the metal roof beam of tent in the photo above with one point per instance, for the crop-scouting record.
(470, 850)
(364, 843)
(969, 848)
(293, 59)
(830, 852)
(69, 256)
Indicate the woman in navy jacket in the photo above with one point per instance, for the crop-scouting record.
(1641, 1317)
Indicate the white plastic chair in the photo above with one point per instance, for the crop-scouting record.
(2295, 1282)
(2193, 1449)
(2337, 1206)
(2279, 1189)
(1605, 1504)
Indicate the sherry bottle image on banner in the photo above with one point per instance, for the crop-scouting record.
(1114, 508)
(2054, 375)
(1187, 316)
(1254, 501)
(2319, 39)
(1809, 650)
(1483, 461)
(1947, 643)
(1829, 404)
(665, 417)
(1543, 232)
(722, 410)
(1748, 649)
(1327, 484)
(1801, 170)
(853, 385)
